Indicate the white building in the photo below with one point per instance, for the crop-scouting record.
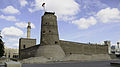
(11, 52)
(117, 48)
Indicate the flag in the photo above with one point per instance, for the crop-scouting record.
(43, 4)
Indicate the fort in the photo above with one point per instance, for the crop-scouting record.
(51, 47)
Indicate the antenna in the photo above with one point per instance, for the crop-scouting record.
(43, 5)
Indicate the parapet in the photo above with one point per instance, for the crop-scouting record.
(49, 13)
(25, 43)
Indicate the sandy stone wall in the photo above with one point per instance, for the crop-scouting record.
(82, 57)
(28, 52)
(81, 48)
(26, 43)
(68, 47)
(51, 52)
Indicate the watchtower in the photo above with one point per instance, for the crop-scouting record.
(49, 31)
(28, 30)
(50, 45)
(26, 42)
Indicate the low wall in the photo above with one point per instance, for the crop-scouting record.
(82, 57)
(51, 52)
(28, 52)
(82, 48)
(68, 48)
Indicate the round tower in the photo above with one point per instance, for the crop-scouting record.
(49, 31)
(28, 30)
(50, 45)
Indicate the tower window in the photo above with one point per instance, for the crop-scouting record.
(43, 31)
(24, 46)
(49, 31)
(56, 42)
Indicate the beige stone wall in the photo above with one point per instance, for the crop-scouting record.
(27, 42)
(25, 49)
(83, 57)
(82, 48)
(68, 47)
(51, 52)
(28, 52)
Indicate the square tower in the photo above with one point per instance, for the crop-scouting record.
(26, 43)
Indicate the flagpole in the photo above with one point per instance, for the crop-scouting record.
(44, 9)
(43, 5)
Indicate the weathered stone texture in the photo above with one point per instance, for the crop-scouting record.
(83, 57)
(26, 43)
(28, 52)
(51, 52)
(81, 48)
(49, 38)
(70, 48)
(49, 31)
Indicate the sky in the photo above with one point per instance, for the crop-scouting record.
(78, 20)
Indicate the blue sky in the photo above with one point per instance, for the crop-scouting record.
(78, 20)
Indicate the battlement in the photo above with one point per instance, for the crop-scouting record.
(49, 13)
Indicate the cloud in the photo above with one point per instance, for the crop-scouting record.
(62, 39)
(67, 18)
(15, 45)
(8, 18)
(12, 42)
(23, 3)
(10, 10)
(11, 36)
(60, 7)
(12, 32)
(88, 4)
(89, 7)
(108, 15)
(24, 25)
(84, 23)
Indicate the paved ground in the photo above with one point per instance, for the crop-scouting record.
(73, 64)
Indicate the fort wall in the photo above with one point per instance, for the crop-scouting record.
(82, 48)
(68, 47)
(28, 52)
